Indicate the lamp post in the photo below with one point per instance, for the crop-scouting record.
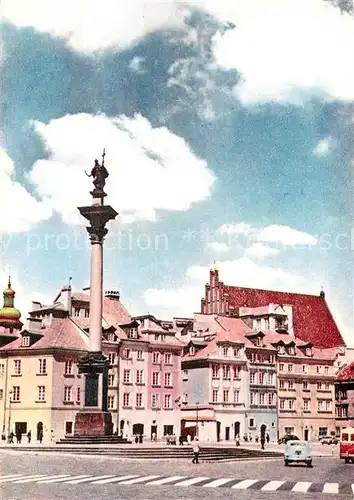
(9, 422)
(197, 421)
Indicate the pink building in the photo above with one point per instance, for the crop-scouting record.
(345, 398)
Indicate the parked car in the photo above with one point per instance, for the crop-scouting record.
(288, 437)
(329, 440)
(297, 451)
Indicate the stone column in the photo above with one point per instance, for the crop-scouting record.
(96, 279)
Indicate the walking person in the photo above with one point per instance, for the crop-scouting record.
(262, 442)
(196, 451)
(40, 436)
(29, 437)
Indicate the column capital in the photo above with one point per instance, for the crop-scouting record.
(97, 233)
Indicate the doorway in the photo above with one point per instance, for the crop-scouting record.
(227, 433)
(306, 435)
(39, 430)
(153, 433)
(138, 429)
(218, 429)
(237, 429)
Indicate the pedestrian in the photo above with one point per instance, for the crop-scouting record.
(196, 451)
(267, 437)
(154, 436)
(141, 439)
(181, 440)
(40, 436)
(18, 437)
(136, 439)
(237, 440)
(29, 436)
(262, 442)
(11, 437)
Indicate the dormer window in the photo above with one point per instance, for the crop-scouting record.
(25, 341)
(225, 351)
(258, 341)
(192, 350)
(308, 351)
(111, 337)
(132, 333)
(281, 349)
(291, 350)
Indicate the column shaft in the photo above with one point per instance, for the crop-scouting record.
(95, 341)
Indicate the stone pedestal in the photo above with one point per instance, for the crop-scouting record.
(93, 423)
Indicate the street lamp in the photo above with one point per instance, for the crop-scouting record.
(9, 423)
(197, 422)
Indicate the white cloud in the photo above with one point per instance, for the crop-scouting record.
(137, 64)
(236, 228)
(324, 146)
(260, 251)
(19, 210)
(150, 169)
(217, 246)
(90, 25)
(285, 235)
(283, 47)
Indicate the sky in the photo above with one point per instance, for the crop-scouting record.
(228, 130)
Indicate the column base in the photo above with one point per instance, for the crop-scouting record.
(93, 423)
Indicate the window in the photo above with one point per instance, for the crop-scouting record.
(192, 350)
(326, 370)
(281, 349)
(168, 358)
(68, 394)
(319, 405)
(271, 359)
(319, 369)
(225, 396)
(327, 386)
(281, 367)
(291, 350)
(126, 354)
(68, 368)
(304, 368)
(291, 385)
(2, 369)
(155, 357)
(282, 404)
(17, 367)
(1, 393)
(306, 404)
(126, 399)
(157, 336)
(225, 351)
(133, 333)
(236, 352)
(111, 337)
(139, 400)
(236, 396)
(168, 380)
(43, 366)
(328, 405)
(87, 313)
(271, 378)
(140, 376)
(258, 341)
(167, 401)
(291, 404)
(15, 393)
(252, 377)
(155, 401)
(308, 351)
(215, 396)
(76, 312)
(78, 395)
(110, 380)
(319, 386)
(281, 384)
(262, 399)
(266, 324)
(139, 354)
(126, 376)
(258, 324)
(251, 422)
(226, 371)
(290, 368)
(237, 372)
(215, 371)
(41, 393)
(155, 379)
(271, 399)
(112, 357)
(110, 402)
(305, 385)
(25, 341)
(253, 398)
(261, 378)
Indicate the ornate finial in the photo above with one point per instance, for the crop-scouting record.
(9, 282)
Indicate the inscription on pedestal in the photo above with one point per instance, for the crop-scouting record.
(91, 390)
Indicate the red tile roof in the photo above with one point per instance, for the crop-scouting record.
(346, 374)
(313, 321)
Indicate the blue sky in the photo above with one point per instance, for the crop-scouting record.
(228, 138)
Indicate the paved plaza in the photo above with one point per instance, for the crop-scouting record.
(47, 476)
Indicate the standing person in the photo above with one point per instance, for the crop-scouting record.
(29, 436)
(237, 440)
(11, 437)
(262, 441)
(267, 437)
(40, 436)
(196, 451)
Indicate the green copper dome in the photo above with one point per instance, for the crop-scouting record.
(9, 315)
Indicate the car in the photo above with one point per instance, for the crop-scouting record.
(288, 437)
(346, 447)
(297, 451)
(329, 440)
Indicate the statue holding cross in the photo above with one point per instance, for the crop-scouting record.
(99, 174)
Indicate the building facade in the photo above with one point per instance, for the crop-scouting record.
(344, 391)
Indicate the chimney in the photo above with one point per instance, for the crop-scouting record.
(36, 305)
(112, 294)
(65, 295)
(322, 294)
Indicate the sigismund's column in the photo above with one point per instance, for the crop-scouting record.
(94, 419)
